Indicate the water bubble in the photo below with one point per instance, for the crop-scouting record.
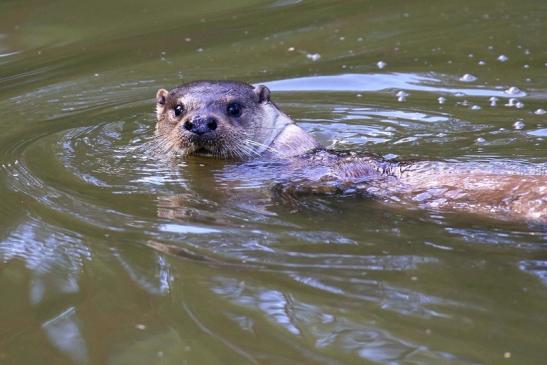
(401, 96)
(503, 58)
(513, 90)
(468, 78)
(441, 99)
(476, 107)
(519, 124)
(519, 105)
(313, 56)
(381, 64)
(482, 63)
(480, 140)
(540, 112)
(511, 102)
(493, 101)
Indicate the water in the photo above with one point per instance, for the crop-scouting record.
(109, 255)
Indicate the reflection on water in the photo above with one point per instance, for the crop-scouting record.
(381, 82)
(111, 254)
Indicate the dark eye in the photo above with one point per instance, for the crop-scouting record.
(234, 109)
(179, 109)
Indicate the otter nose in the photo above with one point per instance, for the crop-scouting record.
(201, 125)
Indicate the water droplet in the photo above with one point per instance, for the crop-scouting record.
(519, 105)
(526, 66)
(511, 102)
(513, 90)
(471, 55)
(200, 49)
(313, 56)
(96, 75)
(480, 140)
(527, 51)
(188, 39)
(519, 124)
(381, 64)
(401, 96)
(291, 49)
(503, 58)
(359, 95)
(540, 111)
(360, 39)
(493, 101)
(459, 94)
(476, 107)
(342, 38)
(482, 63)
(468, 78)
(441, 99)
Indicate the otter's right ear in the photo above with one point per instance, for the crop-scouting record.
(263, 93)
(161, 96)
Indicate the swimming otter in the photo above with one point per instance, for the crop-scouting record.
(229, 119)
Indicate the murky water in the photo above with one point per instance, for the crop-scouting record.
(109, 255)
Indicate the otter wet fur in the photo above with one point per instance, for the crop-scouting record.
(235, 120)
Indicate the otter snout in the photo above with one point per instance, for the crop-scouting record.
(201, 124)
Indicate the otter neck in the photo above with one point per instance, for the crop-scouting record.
(282, 137)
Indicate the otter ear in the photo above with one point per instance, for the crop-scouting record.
(161, 96)
(263, 93)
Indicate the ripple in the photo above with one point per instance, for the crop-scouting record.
(377, 83)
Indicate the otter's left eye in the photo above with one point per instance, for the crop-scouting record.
(234, 109)
(178, 110)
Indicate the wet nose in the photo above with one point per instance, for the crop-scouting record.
(201, 125)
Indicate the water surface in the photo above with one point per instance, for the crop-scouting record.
(110, 255)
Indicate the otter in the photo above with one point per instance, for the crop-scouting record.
(235, 120)
(227, 120)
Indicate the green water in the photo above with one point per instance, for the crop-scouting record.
(111, 256)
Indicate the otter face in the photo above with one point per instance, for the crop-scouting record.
(213, 118)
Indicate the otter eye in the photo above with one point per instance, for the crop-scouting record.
(178, 110)
(234, 109)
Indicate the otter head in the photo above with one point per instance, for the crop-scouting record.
(226, 119)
